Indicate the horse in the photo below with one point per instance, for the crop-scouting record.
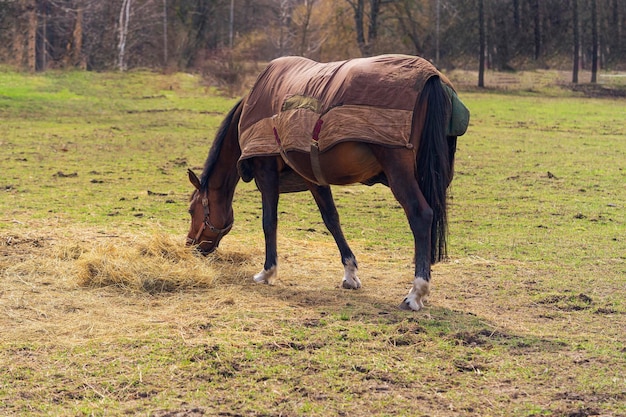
(304, 125)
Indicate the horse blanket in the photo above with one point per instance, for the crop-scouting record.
(296, 100)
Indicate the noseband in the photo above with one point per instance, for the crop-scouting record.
(206, 223)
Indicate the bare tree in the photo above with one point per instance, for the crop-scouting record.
(284, 38)
(410, 15)
(74, 46)
(165, 33)
(576, 32)
(231, 24)
(481, 40)
(517, 19)
(536, 12)
(617, 23)
(97, 34)
(123, 34)
(17, 35)
(366, 46)
(501, 52)
(594, 40)
(437, 31)
(31, 37)
(310, 38)
(139, 27)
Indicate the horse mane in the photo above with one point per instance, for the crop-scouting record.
(216, 148)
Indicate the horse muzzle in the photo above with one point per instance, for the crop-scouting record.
(205, 247)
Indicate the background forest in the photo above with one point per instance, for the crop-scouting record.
(219, 36)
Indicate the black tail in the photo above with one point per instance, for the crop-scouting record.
(433, 162)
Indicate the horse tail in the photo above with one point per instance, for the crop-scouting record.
(433, 161)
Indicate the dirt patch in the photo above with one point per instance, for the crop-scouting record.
(598, 90)
(193, 412)
(15, 249)
(568, 302)
(15, 242)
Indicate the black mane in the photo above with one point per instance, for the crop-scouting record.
(216, 148)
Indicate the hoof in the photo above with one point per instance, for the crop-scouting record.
(348, 286)
(350, 280)
(415, 299)
(260, 278)
(265, 276)
(411, 305)
(351, 284)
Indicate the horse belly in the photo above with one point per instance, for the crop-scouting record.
(349, 163)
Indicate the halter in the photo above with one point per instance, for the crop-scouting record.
(207, 223)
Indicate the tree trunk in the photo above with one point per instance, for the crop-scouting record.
(576, 28)
(502, 43)
(165, 34)
(44, 37)
(231, 24)
(517, 21)
(18, 43)
(536, 10)
(285, 23)
(617, 22)
(305, 26)
(437, 31)
(31, 10)
(481, 40)
(123, 34)
(77, 39)
(372, 32)
(409, 26)
(594, 39)
(358, 8)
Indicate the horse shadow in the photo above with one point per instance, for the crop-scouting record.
(368, 306)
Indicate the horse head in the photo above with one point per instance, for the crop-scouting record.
(206, 211)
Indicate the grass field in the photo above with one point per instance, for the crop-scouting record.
(103, 311)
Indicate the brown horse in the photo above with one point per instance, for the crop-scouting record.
(391, 119)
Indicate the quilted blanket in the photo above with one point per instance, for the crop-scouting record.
(365, 99)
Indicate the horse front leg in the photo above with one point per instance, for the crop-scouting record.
(326, 204)
(266, 177)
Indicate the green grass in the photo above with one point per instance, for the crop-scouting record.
(85, 137)
(527, 317)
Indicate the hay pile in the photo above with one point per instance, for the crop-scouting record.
(154, 264)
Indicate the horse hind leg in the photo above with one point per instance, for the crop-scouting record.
(420, 217)
(420, 220)
(399, 167)
(324, 199)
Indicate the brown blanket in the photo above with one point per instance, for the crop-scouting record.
(365, 99)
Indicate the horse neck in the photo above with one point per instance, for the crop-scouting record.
(225, 176)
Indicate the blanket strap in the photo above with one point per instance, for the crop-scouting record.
(315, 154)
(283, 154)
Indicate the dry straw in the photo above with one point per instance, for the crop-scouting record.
(154, 264)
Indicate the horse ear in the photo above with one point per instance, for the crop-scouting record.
(194, 179)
